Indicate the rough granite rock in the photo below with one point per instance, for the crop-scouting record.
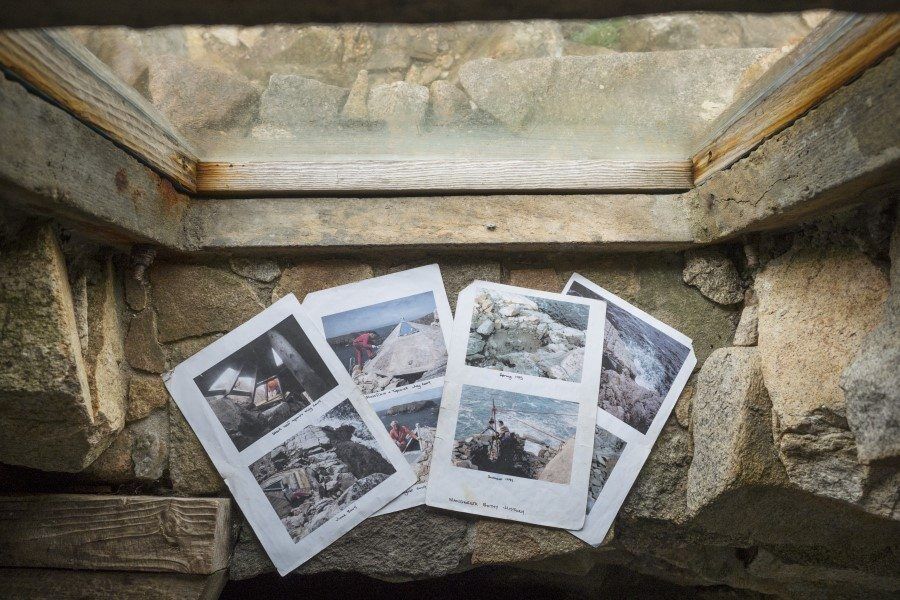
(731, 426)
(137, 295)
(146, 393)
(142, 349)
(420, 542)
(498, 542)
(816, 304)
(399, 104)
(292, 101)
(459, 274)
(45, 379)
(871, 383)
(190, 469)
(303, 278)
(193, 300)
(260, 269)
(746, 333)
(355, 107)
(139, 453)
(506, 91)
(229, 100)
(713, 273)
(536, 279)
(449, 104)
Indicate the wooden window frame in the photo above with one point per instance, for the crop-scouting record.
(65, 72)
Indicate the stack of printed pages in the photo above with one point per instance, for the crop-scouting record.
(372, 398)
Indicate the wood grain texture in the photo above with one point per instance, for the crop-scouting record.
(844, 152)
(116, 533)
(447, 223)
(54, 165)
(67, 73)
(16, 14)
(833, 54)
(448, 175)
(53, 584)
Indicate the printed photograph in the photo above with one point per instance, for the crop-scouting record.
(265, 383)
(607, 450)
(640, 363)
(391, 344)
(528, 335)
(515, 434)
(317, 473)
(411, 421)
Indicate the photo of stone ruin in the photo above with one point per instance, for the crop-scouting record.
(640, 363)
(266, 382)
(321, 470)
(391, 344)
(607, 450)
(515, 434)
(529, 335)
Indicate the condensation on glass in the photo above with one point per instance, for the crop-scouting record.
(632, 88)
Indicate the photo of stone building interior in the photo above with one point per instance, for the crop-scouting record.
(266, 382)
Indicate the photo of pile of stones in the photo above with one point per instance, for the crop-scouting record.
(529, 335)
(266, 382)
(515, 434)
(607, 450)
(321, 470)
(640, 363)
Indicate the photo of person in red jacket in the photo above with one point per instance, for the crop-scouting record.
(365, 345)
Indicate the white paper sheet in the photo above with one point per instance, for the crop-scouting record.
(522, 357)
(646, 365)
(410, 311)
(304, 454)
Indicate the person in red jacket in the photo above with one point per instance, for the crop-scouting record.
(401, 435)
(364, 344)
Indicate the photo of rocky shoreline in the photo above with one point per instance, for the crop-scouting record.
(321, 470)
(640, 363)
(528, 335)
(262, 385)
(515, 434)
(411, 421)
(607, 450)
(391, 344)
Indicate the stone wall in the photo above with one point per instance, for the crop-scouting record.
(777, 472)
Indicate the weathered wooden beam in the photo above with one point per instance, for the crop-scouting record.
(440, 175)
(54, 165)
(845, 151)
(841, 48)
(66, 72)
(115, 533)
(522, 222)
(54, 13)
(57, 584)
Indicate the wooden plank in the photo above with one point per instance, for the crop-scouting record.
(838, 50)
(54, 165)
(115, 533)
(53, 584)
(447, 223)
(52, 13)
(67, 73)
(844, 152)
(445, 175)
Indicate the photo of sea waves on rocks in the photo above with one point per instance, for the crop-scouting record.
(607, 450)
(321, 470)
(640, 363)
(529, 335)
(391, 344)
(266, 382)
(515, 434)
(411, 421)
